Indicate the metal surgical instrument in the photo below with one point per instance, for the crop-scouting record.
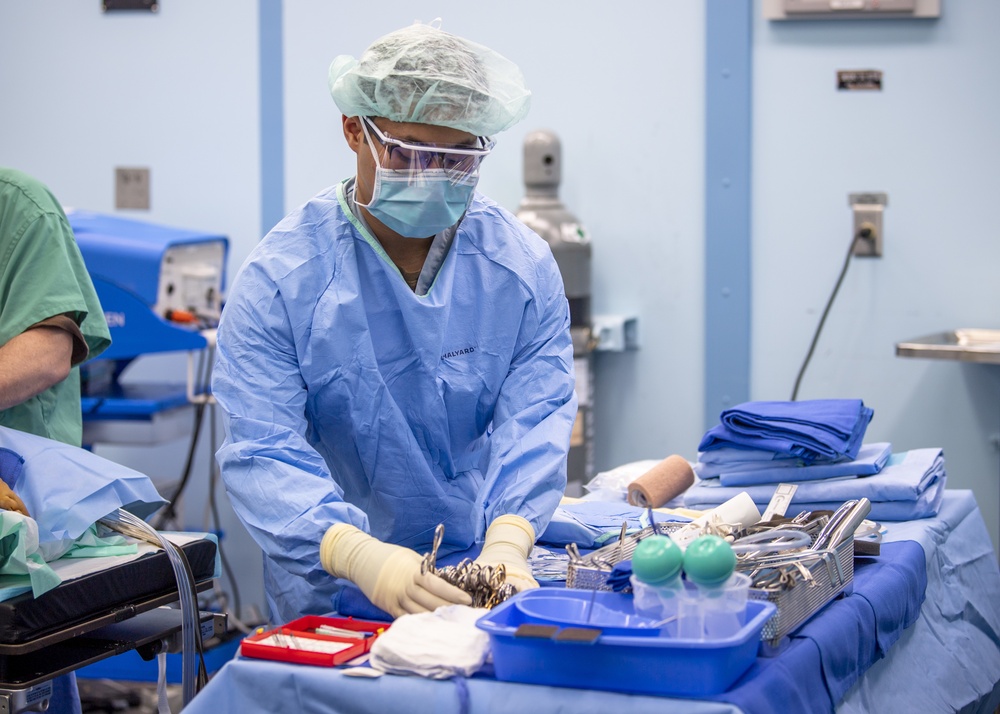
(486, 584)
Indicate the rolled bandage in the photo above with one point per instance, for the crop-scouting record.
(669, 478)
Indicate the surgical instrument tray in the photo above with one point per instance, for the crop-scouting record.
(798, 582)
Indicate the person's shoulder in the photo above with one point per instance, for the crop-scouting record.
(18, 179)
(496, 226)
(495, 232)
(311, 222)
(18, 189)
(304, 239)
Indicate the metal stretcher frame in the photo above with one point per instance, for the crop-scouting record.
(28, 665)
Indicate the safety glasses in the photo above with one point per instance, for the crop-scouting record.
(404, 155)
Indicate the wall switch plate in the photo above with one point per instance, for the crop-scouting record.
(132, 188)
(867, 209)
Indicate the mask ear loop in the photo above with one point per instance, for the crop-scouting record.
(371, 143)
(378, 167)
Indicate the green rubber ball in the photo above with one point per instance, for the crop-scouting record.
(709, 560)
(656, 560)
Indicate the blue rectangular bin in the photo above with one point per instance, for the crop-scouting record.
(661, 665)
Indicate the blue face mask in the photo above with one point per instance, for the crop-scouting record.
(420, 203)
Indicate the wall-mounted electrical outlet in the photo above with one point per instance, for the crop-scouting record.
(867, 224)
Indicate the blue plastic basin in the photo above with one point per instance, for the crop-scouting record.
(576, 608)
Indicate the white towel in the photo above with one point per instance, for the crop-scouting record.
(437, 645)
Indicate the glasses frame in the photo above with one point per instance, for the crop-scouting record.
(430, 151)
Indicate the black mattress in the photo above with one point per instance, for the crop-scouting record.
(114, 591)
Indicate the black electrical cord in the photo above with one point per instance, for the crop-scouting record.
(863, 234)
(169, 512)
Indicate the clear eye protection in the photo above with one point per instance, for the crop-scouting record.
(458, 162)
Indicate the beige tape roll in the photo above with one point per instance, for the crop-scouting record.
(669, 478)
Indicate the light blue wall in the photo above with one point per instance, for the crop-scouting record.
(929, 140)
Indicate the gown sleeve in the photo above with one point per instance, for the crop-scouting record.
(535, 412)
(279, 485)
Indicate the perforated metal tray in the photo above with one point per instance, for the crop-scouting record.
(802, 598)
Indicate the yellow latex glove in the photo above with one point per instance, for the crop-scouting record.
(509, 540)
(389, 575)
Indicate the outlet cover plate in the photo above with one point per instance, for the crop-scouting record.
(867, 210)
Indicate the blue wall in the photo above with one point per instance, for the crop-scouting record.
(186, 92)
(929, 141)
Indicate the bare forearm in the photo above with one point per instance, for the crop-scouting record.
(32, 362)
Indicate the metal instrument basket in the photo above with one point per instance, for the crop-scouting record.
(830, 573)
(590, 572)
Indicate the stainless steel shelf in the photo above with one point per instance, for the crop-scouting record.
(964, 345)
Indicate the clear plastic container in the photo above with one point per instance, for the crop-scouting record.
(713, 613)
(658, 603)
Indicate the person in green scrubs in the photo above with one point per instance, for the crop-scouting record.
(50, 317)
(50, 321)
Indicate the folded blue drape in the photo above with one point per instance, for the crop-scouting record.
(811, 430)
(587, 523)
(66, 488)
(910, 485)
(870, 460)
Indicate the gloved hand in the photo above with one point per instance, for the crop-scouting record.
(509, 540)
(389, 575)
(9, 501)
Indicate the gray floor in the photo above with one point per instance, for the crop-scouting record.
(117, 697)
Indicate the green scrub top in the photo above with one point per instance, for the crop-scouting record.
(42, 274)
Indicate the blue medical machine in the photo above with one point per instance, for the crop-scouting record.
(162, 291)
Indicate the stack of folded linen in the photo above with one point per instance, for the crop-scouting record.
(818, 445)
(819, 430)
(737, 467)
(910, 485)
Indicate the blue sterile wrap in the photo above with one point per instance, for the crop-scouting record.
(911, 485)
(870, 460)
(67, 489)
(811, 430)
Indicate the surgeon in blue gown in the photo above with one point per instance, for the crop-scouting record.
(396, 352)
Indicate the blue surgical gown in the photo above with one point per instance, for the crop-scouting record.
(350, 399)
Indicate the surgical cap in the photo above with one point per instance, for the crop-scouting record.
(424, 75)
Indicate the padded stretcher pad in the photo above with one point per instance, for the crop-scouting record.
(24, 617)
